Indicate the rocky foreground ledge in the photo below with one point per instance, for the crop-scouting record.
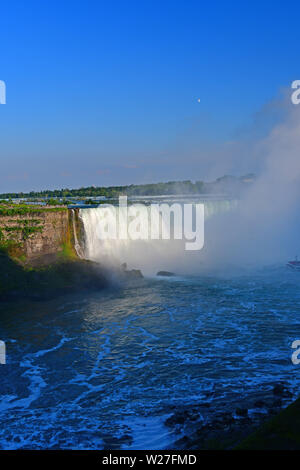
(280, 433)
(53, 275)
(44, 282)
(262, 423)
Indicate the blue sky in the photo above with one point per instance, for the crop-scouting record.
(104, 93)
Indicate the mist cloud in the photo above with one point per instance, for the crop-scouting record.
(264, 227)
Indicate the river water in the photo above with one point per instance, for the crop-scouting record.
(105, 369)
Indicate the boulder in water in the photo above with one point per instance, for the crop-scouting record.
(165, 273)
(242, 412)
(134, 273)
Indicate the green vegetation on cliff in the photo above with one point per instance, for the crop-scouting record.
(10, 209)
(26, 227)
(64, 276)
(20, 222)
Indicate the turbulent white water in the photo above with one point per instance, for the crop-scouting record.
(150, 255)
(105, 369)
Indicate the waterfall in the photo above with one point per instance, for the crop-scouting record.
(77, 246)
(150, 255)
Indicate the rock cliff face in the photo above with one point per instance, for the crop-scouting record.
(38, 258)
(37, 234)
(52, 236)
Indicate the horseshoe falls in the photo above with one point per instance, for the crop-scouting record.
(152, 363)
(147, 254)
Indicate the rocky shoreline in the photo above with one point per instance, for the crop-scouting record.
(210, 425)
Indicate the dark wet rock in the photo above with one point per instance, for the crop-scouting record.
(281, 391)
(165, 273)
(246, 420)
(193, 417)
(227, 418)
(130, 273)
(179, 417)
(134, 274)
(277, 403)
(223, 427)
(183, 443)
(200, 431)
(171, 407)
(260, 404)
(182, 417)
(126, 439)
(216, 425)
(209, 394)
(220, 421)
(242, 412)
(112, 442)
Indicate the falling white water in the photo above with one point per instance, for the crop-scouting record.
(150, 255)
(77, 246)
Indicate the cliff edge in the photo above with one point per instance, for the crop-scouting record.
(37, 255)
